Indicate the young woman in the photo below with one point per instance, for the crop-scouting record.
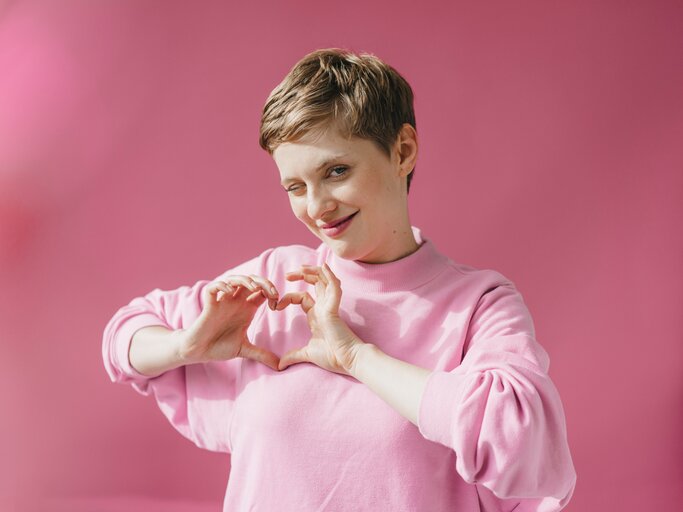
(371, 372)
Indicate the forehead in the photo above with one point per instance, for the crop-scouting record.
(322, 143)
(317, 149)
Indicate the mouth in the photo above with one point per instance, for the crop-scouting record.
(336, 223)
(338, 227)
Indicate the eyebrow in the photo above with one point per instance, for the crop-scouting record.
(324, 164)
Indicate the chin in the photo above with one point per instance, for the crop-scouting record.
(338, 251)
(344, 251)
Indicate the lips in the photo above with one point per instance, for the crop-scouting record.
(338, 227)
(337, 222)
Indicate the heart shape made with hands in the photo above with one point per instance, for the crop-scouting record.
(333, 345)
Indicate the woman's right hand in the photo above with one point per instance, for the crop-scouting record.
(220, 331)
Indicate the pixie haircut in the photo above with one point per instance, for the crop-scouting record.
(365, 96)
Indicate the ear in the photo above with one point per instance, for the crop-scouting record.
(406, 149)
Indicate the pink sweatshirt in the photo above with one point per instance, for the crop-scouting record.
(491, 435)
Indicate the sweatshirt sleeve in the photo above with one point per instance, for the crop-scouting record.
(196, 399)
(500, 412)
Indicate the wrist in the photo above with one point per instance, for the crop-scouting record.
(362, 352)
(179, 348)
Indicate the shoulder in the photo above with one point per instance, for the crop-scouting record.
(478, 281)
(462, 274)
(489, 292)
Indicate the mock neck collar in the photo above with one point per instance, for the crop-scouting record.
(404, 274)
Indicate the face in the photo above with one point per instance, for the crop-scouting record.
(349, 193)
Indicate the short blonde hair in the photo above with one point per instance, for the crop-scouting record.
(364, 95)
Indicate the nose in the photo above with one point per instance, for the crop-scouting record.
(319, 203)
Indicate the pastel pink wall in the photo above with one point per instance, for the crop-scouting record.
(550, 150)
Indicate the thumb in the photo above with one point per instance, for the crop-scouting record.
(262, 355)
(298, 355)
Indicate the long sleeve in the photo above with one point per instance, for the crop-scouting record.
(197, 399)
(500, 412)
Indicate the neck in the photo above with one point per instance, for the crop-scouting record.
(405, 273)
(401, 244)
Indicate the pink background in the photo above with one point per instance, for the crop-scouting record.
(550, 149)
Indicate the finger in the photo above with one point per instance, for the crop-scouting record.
(255, 295)
(298, 355)
(315, 274)
(335, 289)
(269, 289)
(300, 276)
(320, 289)
(314, 271)
(218, 290)
(262, 355)
(331, 277)
(267, 286)
(216, 286)
(303, 298)
(244, 281)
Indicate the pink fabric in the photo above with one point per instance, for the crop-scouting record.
(491, 433)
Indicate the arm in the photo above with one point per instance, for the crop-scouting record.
(175, 389)
(139, 347)
(498, 410)
(398, 383)
(155, 350)
(168, 310)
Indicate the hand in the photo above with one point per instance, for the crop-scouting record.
(333, 344)
(220, 331)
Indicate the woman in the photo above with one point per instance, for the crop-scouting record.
(385, 376)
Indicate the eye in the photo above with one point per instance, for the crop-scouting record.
(293, 189)
(341, 170)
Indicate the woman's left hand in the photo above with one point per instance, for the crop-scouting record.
(333, 345)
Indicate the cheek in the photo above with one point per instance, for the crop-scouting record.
(299, 209)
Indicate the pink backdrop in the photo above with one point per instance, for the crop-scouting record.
(550, 150)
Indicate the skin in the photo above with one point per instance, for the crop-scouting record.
(366, 181)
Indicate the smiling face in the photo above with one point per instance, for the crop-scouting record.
(330, 178)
